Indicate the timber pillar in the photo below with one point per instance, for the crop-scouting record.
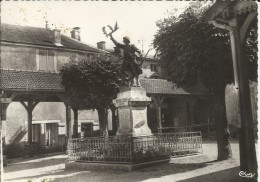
(190, 110)
(29, 108)
(158, 100)
(132, 111)
(238, 18)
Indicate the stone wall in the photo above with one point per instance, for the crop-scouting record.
(24, 58)
(16, 57)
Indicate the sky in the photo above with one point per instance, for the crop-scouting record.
(136, 20)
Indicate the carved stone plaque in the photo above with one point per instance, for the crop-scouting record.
(124, 118)
(138, 117)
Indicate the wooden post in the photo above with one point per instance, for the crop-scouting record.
(29, 108)
(29, 120)
(247, 141)
(158, 104)
(248, 161)
(191, 103)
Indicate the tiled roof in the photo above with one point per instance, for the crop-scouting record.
(30, 81)
(160, 86)
(46, 81)
(40, 36)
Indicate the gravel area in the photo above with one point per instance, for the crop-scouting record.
(52, 169)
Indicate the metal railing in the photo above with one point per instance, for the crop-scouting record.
(126, 149)
(203, 127)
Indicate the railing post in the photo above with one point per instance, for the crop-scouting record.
(131, 149)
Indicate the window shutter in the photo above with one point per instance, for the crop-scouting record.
(50, 61)
(43, 60)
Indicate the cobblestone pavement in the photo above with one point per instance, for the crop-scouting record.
(52, 168)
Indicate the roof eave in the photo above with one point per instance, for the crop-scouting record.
(3, 42)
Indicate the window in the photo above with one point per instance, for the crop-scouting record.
(154, 67)
(48, 135)
(51, 134)
(46, 61)
(36, 133)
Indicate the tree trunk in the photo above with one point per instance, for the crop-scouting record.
(68, 122)
(223, 134)
(103, 124)
(76, 121)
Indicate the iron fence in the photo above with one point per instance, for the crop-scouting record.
(203, 127)
(127, 149)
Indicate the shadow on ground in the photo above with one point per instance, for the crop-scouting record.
(180, 169)
(33, 164)
(60, 174)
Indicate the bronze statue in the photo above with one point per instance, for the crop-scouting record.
(129, 59)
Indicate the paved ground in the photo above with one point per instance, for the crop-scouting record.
(52, 169)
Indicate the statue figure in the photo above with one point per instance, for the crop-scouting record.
(129, 59)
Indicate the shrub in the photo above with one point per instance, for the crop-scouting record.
(14, 150)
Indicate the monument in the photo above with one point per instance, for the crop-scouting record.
(131, 100)
(132, 111)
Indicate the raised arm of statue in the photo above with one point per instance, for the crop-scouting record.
(116, 43)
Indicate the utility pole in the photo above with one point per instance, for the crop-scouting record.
(142, 42)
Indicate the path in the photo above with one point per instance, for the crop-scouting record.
(52, 168)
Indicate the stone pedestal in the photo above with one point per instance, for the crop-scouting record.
(132, 111)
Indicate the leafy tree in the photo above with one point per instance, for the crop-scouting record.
(92, 83)
(193, 51)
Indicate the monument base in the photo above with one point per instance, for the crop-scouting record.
(132, 111)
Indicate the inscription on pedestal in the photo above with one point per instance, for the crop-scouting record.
(124, 118)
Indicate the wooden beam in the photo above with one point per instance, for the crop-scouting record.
(245, 27)
(30, 106)
(62, 97)
(24, 105)
(34, 104)
(246, 137)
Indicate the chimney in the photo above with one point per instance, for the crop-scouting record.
(101, 45)
(57, 37)
(75, 33)
(118, 51)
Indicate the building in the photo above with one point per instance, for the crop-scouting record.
(151, 68)
(31, 91)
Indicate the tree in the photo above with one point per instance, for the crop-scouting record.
(192, 52)
(92, 83)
